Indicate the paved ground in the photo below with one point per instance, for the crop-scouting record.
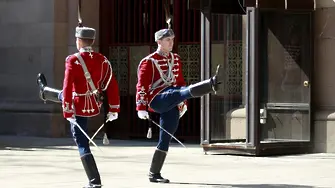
(27, 162)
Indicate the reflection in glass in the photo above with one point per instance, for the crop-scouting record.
(286, 60)
(227, 112)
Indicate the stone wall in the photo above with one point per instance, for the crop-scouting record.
(36, 36)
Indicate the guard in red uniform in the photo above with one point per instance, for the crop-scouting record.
(88, 74)
(161, 88)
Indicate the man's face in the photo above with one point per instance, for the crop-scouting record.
(166, 43)
(78, 43)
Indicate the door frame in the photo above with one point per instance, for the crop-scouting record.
(253, 121)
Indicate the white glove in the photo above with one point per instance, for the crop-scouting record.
(182, 109)
(72, 120)
(142, 114)
(112, 116)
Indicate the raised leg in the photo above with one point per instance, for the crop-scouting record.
(47, 93)
(207, 86)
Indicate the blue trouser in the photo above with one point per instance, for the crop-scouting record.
(79, 138)
(165, 103)
(82, 142)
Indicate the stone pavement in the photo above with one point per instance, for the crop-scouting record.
(27, 162)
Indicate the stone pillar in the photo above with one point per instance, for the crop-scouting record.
(323, 84)
(90, 16)
(66, 20)
(59, 126)
(37, 38)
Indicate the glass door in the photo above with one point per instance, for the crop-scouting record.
(285, 78)
(226, 50)
(225, 129)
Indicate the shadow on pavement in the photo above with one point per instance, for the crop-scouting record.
(25, 142)
(245, 185)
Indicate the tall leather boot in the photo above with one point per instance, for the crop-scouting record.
(47, 93)
(156, 167)
(91, 171)
(207, 86)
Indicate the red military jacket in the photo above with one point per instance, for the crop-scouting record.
(78, 98)
(155, 73)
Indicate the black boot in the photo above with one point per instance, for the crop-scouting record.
(47, 93)
(91, 171)
(207, 86)
(156, 167)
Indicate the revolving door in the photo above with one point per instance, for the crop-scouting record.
(264, 106)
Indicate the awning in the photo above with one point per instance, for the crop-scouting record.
(281, 4)
(218, 6)
(238, 6)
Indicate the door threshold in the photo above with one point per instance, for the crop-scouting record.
(234, 148)
(282, 140)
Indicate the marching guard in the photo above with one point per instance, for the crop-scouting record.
(87, 75)
(161, 88)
